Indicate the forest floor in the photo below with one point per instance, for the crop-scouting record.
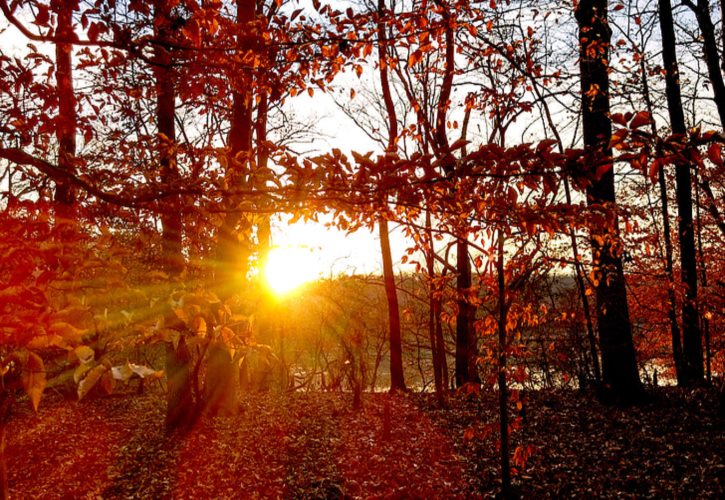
(313, 445)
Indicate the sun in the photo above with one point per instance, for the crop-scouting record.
(287, 268)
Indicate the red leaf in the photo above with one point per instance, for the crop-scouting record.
(603, 169)
(640, 119)
(654, 169)
(43, 16)
(714, 152)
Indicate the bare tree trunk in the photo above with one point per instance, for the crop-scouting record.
(671, 297)
(67, 121)
(581, 288)
(666, 230)
(619, 363)
(712, 204)
(397, 379)
(506, 490)
(692, 369)
(722, 34)
(437, 348)
(441, 346)
(703, 283)
(466, 342)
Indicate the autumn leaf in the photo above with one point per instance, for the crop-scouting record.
(68, 332)
(108, 383)
(198, 326)
(122, 372)
(83, 354)
(415, 57)
(90, 380)
(714, 153)
(33, 379)
(640, 119)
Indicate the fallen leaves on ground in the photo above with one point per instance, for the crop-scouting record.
(314, 445)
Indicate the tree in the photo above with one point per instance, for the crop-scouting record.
(67, 115)
(619, 364)
(232, 257)
(397, 380)
(692, 359)
(180, 411)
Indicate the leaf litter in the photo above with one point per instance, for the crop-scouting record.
(314, 445)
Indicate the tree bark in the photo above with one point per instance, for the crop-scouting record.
(703, 283)
(619, 363)
(669, 259)
(220, 386)
(692, 361)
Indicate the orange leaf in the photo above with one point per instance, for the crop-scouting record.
(33, 379)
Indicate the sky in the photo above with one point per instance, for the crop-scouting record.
(335, 251)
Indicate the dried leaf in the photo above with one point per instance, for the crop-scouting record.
(33, 378)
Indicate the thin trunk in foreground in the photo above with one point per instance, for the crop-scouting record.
(692, 362)
(397, 379)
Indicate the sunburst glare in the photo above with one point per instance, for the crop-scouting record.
(289, 267)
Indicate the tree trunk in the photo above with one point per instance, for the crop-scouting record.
(232, 257)
(619, 363)
(436, 346)
(672, 299)
(180, 408)
(506, 491)
(703, 283)
(581, 288)
(710, 51)
(67, 121)
(466, 342)
(220, 386)
(692, 369)
(722, 34)
(397, 380)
